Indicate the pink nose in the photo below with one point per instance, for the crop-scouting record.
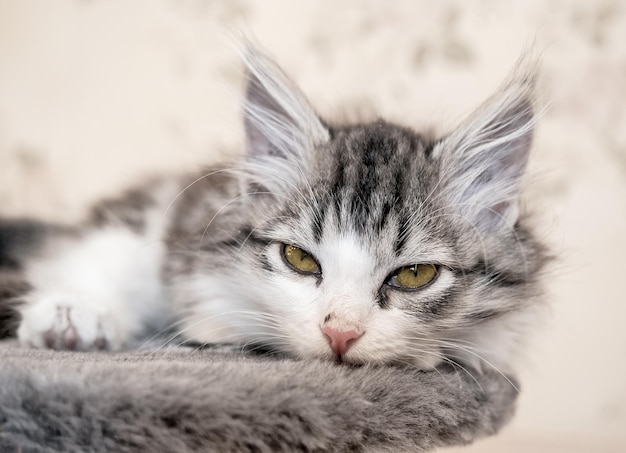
(340, 341)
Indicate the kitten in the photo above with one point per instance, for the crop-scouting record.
(366, 242)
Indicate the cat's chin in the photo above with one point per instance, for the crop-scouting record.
(361, 359)
(413, 363)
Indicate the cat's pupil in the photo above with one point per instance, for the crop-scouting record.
(413, 277)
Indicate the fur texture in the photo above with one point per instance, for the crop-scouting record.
(218, 400)
(205, 254)
(364, 200)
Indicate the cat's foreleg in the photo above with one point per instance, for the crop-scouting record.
(101, 290)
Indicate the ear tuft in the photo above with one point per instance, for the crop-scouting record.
(278, 119)
(485, 158)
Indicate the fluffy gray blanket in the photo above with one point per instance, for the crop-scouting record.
(220, 399)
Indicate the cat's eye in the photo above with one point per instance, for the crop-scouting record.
(300, 260)
(413, 277)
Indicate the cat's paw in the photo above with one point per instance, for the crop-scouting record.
(67, 323)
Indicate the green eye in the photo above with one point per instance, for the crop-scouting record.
(413, 277)
(300, 260)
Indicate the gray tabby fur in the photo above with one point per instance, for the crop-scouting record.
(399, 196)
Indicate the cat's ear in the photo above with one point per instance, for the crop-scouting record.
(484, 160)
(279, 122)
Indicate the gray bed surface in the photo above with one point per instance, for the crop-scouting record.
(222, 399)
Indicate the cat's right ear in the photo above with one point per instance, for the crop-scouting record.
(279, 122)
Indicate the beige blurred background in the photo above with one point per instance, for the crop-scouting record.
(96, 94)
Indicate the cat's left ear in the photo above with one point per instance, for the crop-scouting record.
(279, 122)
(484, 160)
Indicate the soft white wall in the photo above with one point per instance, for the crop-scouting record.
(94, 94)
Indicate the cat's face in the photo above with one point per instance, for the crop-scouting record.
(367, 256)
(362, 215)
(374, 244)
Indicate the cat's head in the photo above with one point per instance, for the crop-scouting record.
(376, 243)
